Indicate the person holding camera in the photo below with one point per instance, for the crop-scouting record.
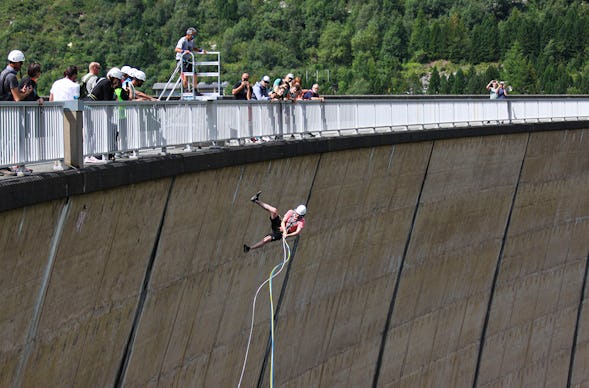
(280, 91)
(242, 90)
(502, 91)
(492, 87)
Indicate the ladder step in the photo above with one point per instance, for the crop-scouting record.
(208, 74)
(207, 63)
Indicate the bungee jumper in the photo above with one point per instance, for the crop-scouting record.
(291, 224)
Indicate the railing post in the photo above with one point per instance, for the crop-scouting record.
(211, 113)
(73, 114)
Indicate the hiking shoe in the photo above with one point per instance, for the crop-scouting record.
(256, 197)
(246, 248)
(22, 170)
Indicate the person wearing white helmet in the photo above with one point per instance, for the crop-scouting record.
(9, 90)
(126, 70)
(290, 225)
(138, 77)
(104, 90)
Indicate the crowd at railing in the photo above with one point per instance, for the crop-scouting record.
(34, 133)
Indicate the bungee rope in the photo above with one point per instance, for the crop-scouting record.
(275, 272)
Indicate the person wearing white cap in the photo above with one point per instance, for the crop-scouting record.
(260, 89)
(287, 78)
(9, 90)
(501, 91)
(290, 225)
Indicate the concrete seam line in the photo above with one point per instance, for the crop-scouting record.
(498, 266)
(285, 282)
(121, 373)
(178, 309)
(34, 323)
(399, 275)
(577, 324)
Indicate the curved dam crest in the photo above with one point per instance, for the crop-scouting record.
(447, 259)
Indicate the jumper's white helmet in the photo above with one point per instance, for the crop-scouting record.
(301, 210)
(16, 56)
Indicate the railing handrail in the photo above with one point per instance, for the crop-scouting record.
(35, 133)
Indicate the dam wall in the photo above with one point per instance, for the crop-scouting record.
(449, 258)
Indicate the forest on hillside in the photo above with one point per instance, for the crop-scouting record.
(347, 46)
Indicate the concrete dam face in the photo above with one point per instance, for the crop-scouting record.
(438, 261)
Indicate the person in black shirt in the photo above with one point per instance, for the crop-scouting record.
(33, 74)
(243, 90)
(104, 90)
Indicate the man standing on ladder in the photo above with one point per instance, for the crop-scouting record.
(184, 48)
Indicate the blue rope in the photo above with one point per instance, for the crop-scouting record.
(275, 272)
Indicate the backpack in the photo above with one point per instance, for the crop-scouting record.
(90, 96)
(4, 96)
(83, 85)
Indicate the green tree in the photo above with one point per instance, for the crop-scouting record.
(335, 46)
(434, 82)
(515, 69)
(458, 40)
(418, 41)
(475, 82)
(446, 83)
(459, 83)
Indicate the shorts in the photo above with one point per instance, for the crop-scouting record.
(186, 64)
(276, 232)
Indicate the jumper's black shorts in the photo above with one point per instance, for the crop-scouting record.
(276, 233)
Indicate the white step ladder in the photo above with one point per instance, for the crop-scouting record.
(209, 69)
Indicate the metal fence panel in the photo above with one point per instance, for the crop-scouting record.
(34, 133)
(30, 131)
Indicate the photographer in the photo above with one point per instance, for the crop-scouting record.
(492, 87)
(502, 91)
(280, 91)
(242, 90)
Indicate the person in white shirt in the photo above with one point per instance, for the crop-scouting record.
(66, 88)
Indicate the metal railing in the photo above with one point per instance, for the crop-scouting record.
(34, 133)
(30, 132)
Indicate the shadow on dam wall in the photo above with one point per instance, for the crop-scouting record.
(453, 259)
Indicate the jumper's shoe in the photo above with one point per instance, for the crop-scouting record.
(246, 248)
(256, 197)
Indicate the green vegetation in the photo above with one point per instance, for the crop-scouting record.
(349, 47)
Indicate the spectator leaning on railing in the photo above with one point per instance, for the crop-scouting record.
(66, 88)
(260, 89)
(313, 94)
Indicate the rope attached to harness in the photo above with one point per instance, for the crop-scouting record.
(275, 272)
